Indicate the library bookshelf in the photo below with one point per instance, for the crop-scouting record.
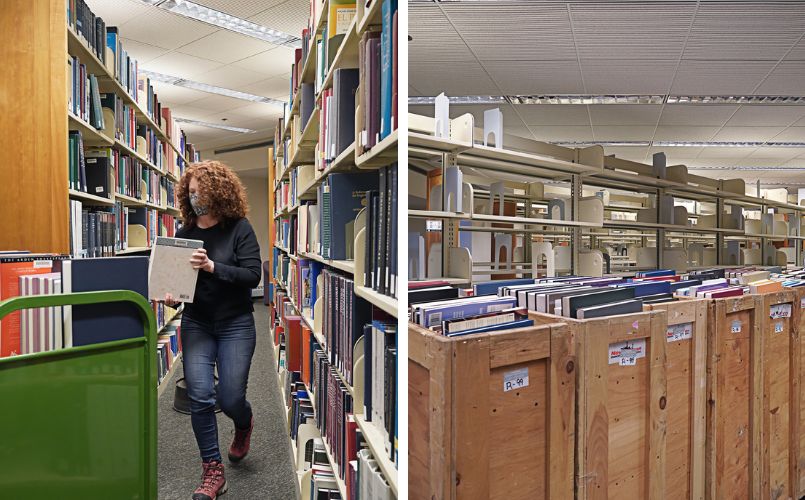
(706, 222)
(299, 168)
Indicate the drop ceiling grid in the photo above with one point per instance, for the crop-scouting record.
(290, 16)
(240, 8)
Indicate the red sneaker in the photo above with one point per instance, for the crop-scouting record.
(240, 445)
(213, 482)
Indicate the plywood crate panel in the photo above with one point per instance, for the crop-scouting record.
(491, 415)
(686, 367)
(780, 374)
(621, 405)
(733, 397)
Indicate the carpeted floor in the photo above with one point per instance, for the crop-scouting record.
(267, 473)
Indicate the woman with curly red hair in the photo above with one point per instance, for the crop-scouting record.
(218, 327)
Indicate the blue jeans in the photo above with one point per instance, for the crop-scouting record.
(231, 343)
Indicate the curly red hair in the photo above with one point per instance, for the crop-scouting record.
(219, 188)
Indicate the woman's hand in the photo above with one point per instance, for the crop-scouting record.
(169, 300)
(199, 260)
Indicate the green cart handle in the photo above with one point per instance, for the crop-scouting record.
(12, 370)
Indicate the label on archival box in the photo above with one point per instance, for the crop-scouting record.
(515, 379)
(736, 326)
(679, 332)
(39, 264)
(627, 353)
(778, 311)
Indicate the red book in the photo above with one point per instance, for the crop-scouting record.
(661, 278)
(416, 285)
(293, 343)
(725, 292)
(11, 268)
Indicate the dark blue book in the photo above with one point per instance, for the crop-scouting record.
(97, 323)
(648, 288)
(491, 287)
(347, 197)
(505, 326)
(683, 284)
(655, 273)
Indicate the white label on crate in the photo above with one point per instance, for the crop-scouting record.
(802, 302)
(99, 189)
(679, 332)
(778, 311)
(38, 264)
(736, 326)
(515, 379)
(627, 353)
(778, 327)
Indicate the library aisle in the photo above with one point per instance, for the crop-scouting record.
(268, 472)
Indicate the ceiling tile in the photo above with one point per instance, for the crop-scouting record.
(290, 16)
(218, 103)
(729, 153)
(620, 133)
(625, 76)
(676, 155)
(631, 153)
(273, 62)
(460, 78)
(171, 95)
(172, 30)
(225, 47)
(276, 88)
(182, 65)
(433, 38)
(242, 8)
(143, 52)
(562, 134)
(625, 114)
(777, 153)
(748, 134)
(787, 79)
(191, 112)
(791, 134)
(696, 114)
(719, 77)
(118, 12)
(684, 133)
(554, 114)
(230, 77)
(533, 77)
(758, 115)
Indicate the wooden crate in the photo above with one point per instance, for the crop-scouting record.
(686, 374)
(732, 452)
(801, 447)
(779, 420)
(621, 409)
(471, 436)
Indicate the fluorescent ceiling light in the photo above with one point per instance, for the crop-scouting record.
(215, 125)
(586, 99)
(746, 144)
(212, 89)
(590, 99)
(222, 20)
(758, 169)
(584, 144)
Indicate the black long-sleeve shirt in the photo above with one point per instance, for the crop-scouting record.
(226, 292)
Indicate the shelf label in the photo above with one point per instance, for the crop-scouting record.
(679, 332)
(39, 264)
(736, 326)
(627, 353)
(515, 379)
(802, 302)
(778, 311)
(778, 327)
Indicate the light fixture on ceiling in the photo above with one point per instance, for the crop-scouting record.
(753, 169)
(215, 125)
(212, 89)
(590, 99)
(584, 144)
(586, 99)
(223, 20)
(673, 144)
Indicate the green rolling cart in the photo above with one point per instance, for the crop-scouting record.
(80, 423)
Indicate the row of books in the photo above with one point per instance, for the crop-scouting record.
(105, 42)
(169, 345)
(83, 98)
(85, 325)
(377, 61)
(285, 195)
(337, 117)
(381, 234)
(98, 232)
(122, 125)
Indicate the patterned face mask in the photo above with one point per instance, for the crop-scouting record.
(197, 207)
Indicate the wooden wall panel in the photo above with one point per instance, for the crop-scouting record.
(33, 127)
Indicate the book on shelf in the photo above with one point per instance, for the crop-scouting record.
(87, 25)
(339, 18)
(341, 197)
